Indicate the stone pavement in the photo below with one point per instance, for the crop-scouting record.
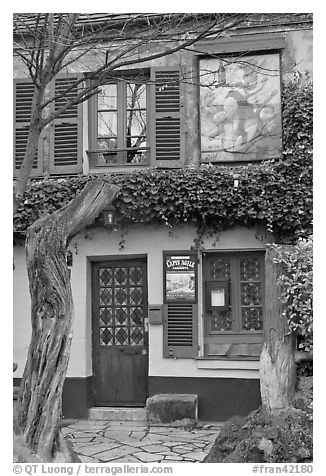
(137, 442)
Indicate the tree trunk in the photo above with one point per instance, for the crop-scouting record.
(33, 138)
(51, 313)
(277, 364)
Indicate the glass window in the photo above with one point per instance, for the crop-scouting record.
(240, 108)
(242, 276)
(121, 136)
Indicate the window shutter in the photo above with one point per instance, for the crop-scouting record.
(180, 330)
(66, 131)
(23, 98)
(166, 128)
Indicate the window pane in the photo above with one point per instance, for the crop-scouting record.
(250, 269)
(221, 320)
(219, 268)
(137, 156)
(251, 294)
(136, 122)
(252, 318)
(240, 108)
(107, 143)
(136, 96)
(107, 98)
(138, 141)
(107, 124)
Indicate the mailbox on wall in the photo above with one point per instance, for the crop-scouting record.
(217, 295)
(155, 314)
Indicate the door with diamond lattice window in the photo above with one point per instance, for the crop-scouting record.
(120, 339)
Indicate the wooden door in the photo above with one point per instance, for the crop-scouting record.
(120, 339)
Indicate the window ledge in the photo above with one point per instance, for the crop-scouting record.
(228, 363)
(118, 168)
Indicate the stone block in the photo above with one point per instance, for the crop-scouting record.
(166, 408)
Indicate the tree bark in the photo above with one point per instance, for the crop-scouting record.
(41, 388)
(33, 138)
(277, 364)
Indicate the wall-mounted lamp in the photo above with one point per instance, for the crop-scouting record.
(109, 216)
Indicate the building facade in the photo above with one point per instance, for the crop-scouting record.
(157, 315)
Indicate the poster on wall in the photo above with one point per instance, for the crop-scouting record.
(180, 277)
(240, 108)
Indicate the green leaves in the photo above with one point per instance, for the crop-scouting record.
(297, 289)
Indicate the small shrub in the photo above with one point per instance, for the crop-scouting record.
(296, 284)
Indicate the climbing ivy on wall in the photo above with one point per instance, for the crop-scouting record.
(276, 194)
(297, 289)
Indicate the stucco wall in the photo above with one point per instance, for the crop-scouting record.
(147, 241)
(21, 308)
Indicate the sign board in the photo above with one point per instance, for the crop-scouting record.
(180, 277)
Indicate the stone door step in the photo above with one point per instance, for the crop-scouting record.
(117, 414)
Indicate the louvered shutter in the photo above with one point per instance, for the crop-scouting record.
(66, 131)
(166, 141)
(23, 97)
(180, 330)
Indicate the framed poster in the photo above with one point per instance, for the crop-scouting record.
(240, 108)
(180, 277)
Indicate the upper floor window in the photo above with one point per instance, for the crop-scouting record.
(121, 123)
(240, 108)
(120, 133)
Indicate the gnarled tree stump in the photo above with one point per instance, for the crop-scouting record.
(41, 388)
(277, 364)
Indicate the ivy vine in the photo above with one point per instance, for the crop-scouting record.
(276, 194)
(297, 289)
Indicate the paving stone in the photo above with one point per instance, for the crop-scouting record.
(182, 450)
(89, 425)
(115, 453)
(117, 434)
(154, 439)
(148, 457)
(83, 434)
(177, 435)
(158, 428)
(152, 448)
(93, 450)
(172, 444)
(136, 442)
(87, 459)
(81, 439)
(95, 440)
(173, 458)
(126, 459)
(169, 453)
(129, 441)
(139, 425)
(197, 455)
(138, 434)
(210, 438)
(199, 444)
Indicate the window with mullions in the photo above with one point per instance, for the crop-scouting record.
(234, 302)
(120, 131)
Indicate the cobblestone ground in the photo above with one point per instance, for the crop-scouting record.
(137, 442)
